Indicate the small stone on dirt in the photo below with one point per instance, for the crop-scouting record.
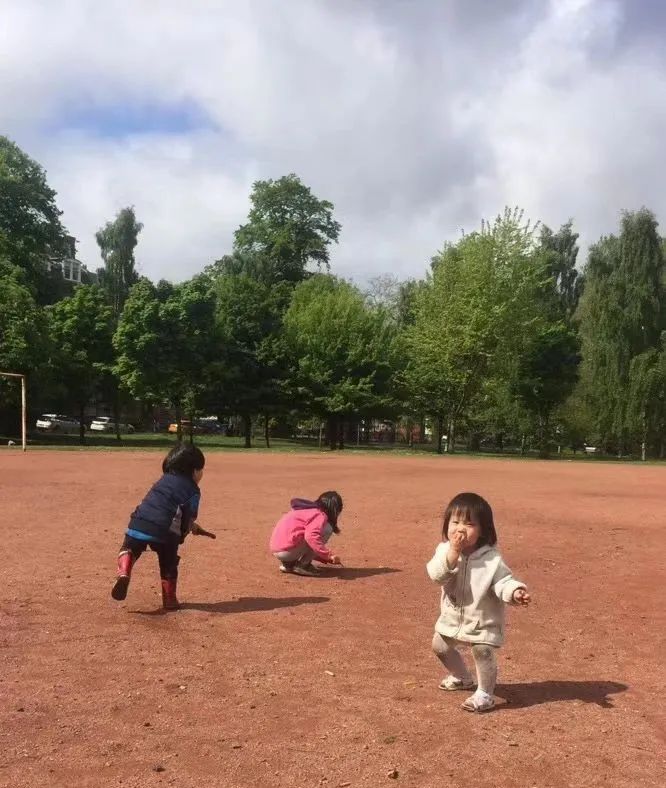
(329, 673)
(159, 768)
(394, 774)
(236, 746)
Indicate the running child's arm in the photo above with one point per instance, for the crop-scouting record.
(197, 530)
(507, 588)
(189, 524)
(438, 567)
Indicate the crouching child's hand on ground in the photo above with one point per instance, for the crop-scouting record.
(335, 560)
(521, 597)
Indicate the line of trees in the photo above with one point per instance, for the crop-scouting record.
(505, 340)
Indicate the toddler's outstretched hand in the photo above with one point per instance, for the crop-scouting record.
(521, 597)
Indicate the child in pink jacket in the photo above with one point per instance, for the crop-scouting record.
(300, 536)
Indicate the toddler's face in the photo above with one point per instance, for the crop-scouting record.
(460, 523)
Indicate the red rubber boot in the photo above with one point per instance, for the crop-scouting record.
(169, 598)
(125, 562)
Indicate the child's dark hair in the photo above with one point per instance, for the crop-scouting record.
(331, 504)
(476, 509)
(184, 459)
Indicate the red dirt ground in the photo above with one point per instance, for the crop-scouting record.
(236, 689)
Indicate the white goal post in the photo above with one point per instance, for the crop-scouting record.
(24, 414)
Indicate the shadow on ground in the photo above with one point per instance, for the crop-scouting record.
(351, 573)
(244, 604)
(521, 696)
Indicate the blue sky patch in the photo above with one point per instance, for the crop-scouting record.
(125, 119)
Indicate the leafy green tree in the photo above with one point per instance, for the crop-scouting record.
(575, 421)
(477, 312)
(82, 327)
(117, 241)
(647, 411)
(561, 249)
(25, 342)
(341, 351)
(30, 227)
(165, 342)
(547, 374)
(288, 227)
(249, 374)
(256, 265)
(621, 317)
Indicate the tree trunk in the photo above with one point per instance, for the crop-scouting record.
(645, 437)
(543, 438)
(191, 429)
(422, 429)
(451, 439)
(82, 426)
(331, 432)
(341, 433)
(116, 412)
(267, 431)
(440, 433)
(179, 425)
(523, 444)
(321, 433)
(247, 430)
(620, 445)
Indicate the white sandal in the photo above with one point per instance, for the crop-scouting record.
(452, 683)
(479, 701)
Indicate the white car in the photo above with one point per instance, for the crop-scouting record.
(51, 422)
(107, 424)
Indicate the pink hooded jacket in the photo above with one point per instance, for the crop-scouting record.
(301, 524)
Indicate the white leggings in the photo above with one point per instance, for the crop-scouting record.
(484, 660)
(303, 553)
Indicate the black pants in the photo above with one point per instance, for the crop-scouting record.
(167, 554)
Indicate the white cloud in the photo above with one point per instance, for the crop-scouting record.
(416, 119)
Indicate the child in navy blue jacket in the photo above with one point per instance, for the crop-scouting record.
(162, 520)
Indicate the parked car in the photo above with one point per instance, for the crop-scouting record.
(186, 426)
(51, 422)
(107, 424)
(209, 425)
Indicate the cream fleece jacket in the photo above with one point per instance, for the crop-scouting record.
(473, 594)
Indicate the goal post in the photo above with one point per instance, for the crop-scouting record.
(24, 412)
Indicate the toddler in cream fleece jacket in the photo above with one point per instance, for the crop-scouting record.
(476, 584)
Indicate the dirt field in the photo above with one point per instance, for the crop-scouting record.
(271, 680)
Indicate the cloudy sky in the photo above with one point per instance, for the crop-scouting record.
(416, 118)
